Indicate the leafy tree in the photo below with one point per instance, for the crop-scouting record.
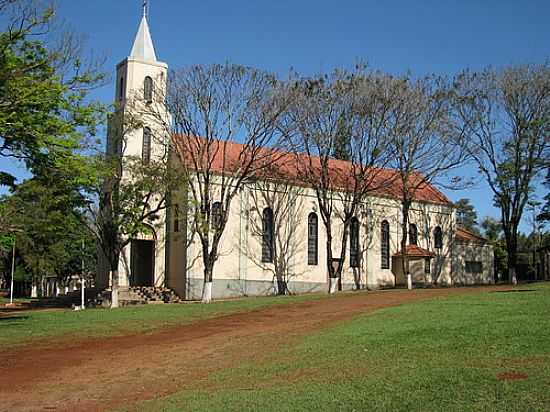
(47, 213)
(506, 115)
(466, 215)
(492, 231)
(544, 216)
(44, 112)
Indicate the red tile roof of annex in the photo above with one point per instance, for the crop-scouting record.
(463, 235)
(289, 165)
(415, 251)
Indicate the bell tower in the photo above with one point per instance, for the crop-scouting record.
(140, 85)
(139, 128)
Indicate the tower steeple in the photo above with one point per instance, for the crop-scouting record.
(143, 44)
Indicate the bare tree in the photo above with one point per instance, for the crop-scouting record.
(350, 109)
(225, 124)
(424, 145)
(506, 114)
(284, 199)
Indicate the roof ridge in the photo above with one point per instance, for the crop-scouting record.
(428, 193)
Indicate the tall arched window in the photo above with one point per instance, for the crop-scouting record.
(121, 89)
(217, 215)
(267, 235)
(312, 239)
(146, 147)
(148, 89)
(438, 238)
(354, 250)
(176, 218)
(413, 234)
(385, 245)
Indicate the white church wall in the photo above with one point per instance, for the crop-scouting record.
(238, 271)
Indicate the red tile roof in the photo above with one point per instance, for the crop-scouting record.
(229, 157)
(415, 251)
(463, 235)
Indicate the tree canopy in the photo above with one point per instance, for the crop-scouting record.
(45, 116)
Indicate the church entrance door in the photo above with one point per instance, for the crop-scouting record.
(142, 262)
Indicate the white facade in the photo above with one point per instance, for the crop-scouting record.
(239, 270)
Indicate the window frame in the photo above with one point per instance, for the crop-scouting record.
(216, 215)
(385, 245)
(148, 88)
(146, 145)
(427, 265)
(121, 89)
(312, 239)
(438, 237)
(267, 236)
(176, 218)
(354, 244)
(413, 234)
(474, 267)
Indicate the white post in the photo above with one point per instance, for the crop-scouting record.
(82, 292)
(82, 281)
(409, 281)
(12, 271)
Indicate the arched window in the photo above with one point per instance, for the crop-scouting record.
(217, 215)
(354, 252)
(176, 218)
(312, 239)
(267, 235)
(385, 245)
(148, 89)
(146, 147)
(438, 237)
(413, 234)
(121, 89)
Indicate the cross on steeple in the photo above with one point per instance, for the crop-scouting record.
(145, 8)
(143, 44)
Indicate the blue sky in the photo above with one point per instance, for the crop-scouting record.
(436, 36)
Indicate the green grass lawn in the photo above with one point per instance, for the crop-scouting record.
(443, 354)
(33, 326)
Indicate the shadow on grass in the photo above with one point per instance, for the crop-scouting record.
(514, 291)
(13, 317)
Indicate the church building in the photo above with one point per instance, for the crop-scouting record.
(439, 252)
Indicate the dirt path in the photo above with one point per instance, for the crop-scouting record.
(105, 373)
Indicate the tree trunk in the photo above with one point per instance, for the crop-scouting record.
(510, 236)
(207, 287)
(114, 289)
(282, 286)
(404, 257)
(512, 262)
(357, 278)
(333, 280)
(333, 285)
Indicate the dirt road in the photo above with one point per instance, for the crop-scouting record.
(105, 373)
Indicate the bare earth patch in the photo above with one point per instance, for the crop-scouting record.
(97, 374)
(512, 376)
